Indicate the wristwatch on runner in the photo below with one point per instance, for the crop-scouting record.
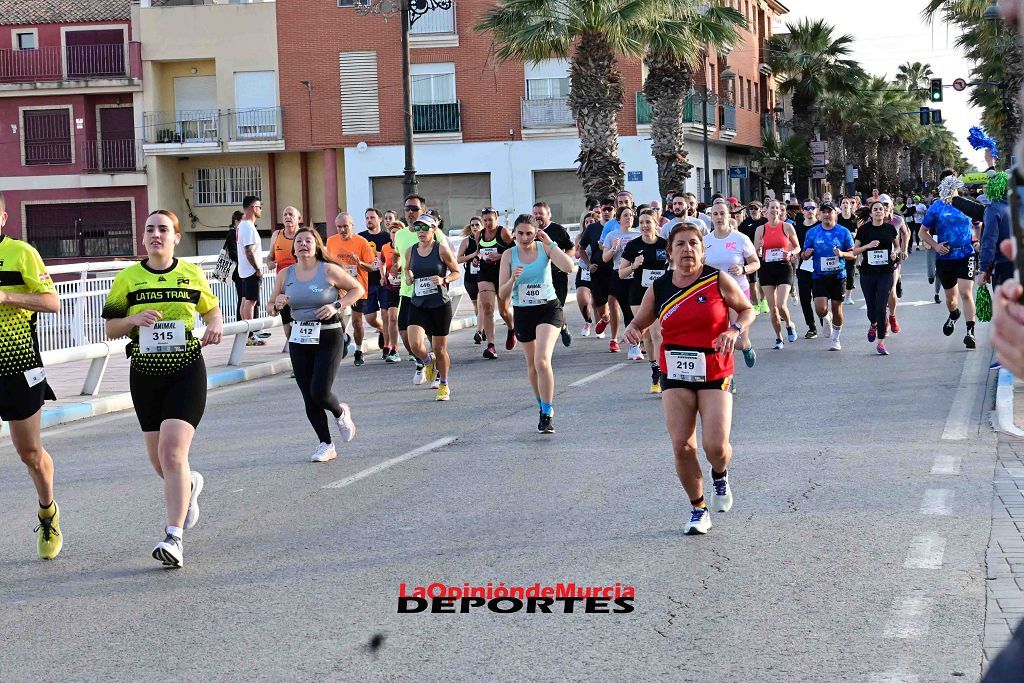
(737, 327)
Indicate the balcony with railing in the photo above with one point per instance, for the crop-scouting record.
(436, 28)
(52, 152)
(255, 129)
(175, 132)
(643, 110)
(693, 111)
(727, 115)
(111, 156)
(546, 113)
(71, 63)
(436, 118)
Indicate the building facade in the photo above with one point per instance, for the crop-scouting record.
(487, 133)
(72, 173)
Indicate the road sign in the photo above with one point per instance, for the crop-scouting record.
(817, 159)
(738, 172)
(974, 178)
(959, 85)
(817, 147)
(818, 174)
(635, 176)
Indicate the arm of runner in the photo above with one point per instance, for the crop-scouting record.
(271, 261)
(507, 278)
(214, 326)
(354, 291)
(448, 258)
(406, 270)
(277, 298)
(463, 256)
(562, 260)
(737, 301)
(793, 239)
(644, 318)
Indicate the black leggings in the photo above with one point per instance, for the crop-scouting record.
(875, 285)
(315, 366)
(803, 281)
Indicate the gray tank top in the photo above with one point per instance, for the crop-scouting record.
(430, 296)
(305, 297)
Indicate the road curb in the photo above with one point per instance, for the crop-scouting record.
(104, 405)
(1004, 404)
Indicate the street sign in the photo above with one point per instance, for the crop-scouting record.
(817, 159)
(738, 172)
(959, 85)
(635, 176)
(972, 178)
(818, 174)
(817, 147)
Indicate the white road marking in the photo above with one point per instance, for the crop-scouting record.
(936, 502)
(963, 399)
(926, 552)
(893, 677)
(598, 375)
(946, 465)
(909, 618)
(930, 302)
(370, 471)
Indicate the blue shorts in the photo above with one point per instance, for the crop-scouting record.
(377, 297)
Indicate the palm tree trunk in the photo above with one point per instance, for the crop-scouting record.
(803, 130)
(595, 97)
(1013, 79)
(668, 82)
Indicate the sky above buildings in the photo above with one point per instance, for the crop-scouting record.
(888, 33)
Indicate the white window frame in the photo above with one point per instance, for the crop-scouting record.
(15, 32)
(236, 182)
(434, 70)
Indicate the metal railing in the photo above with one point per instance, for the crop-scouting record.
(48, 153)
(255, 124)
(181, 127)
(551, 112)
(27, 66)
(435, 21)
(73, 63)
(112, 156)
(693, 110)
(436, 118)
(643, 110)
(728, 116)
(96, 61)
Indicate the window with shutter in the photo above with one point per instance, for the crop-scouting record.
(46, 134)
(360, 110)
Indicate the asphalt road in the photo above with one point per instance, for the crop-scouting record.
(855, 550)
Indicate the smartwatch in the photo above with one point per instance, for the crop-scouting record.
(337, 305)
(737, 327)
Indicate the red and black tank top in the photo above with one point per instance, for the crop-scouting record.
(692, 318)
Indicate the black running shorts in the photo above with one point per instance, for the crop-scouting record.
(950, 270)
(436, 322)
(18, 400)
(525, 319)
(832, 287)
(178, 396)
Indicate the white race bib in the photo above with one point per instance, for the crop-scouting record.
(774, 255)
(424, 286)
(530, 295)
(584, 274)
(686, 366)
(351, 270)
(829, 263)
(305, 333)
(35, 376)
(394, 280)
(166, 336)
(650, 276)
(474, 267)
(878, 257)
(488, 252)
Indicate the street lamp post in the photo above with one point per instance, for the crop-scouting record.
(708, 97)
(409, 11)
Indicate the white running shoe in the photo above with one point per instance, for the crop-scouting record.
(585, 330)
(436, 384)
(700, 522)
(601, 336)
(721, 497)
(169, 551)
(634, 353)
(826, 326)
(345, 424)
(324, 453)
(420, 375)
(849, 299)
(192, 516)
(836, 346)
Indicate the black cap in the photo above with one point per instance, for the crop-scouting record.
(826, 206)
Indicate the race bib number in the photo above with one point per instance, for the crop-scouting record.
(584, 274)
(774, 255)
(35, 376)
(878, 257)
(474, 267)
(488, 252)
(394, 280)
(829, 263)
(424, 286)
(686, 366)
(530, 295)
(650, 276)
(351, 270)
(166, 336)
(305, 333)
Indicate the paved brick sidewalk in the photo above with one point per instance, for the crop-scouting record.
(1005, 557)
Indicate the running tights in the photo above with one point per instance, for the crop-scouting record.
(315, 366)
(875, 286)
(803, 281)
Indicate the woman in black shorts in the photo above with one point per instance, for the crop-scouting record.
(154, 303)
(492, 241)
(643, 261)
(430, 267)
(469, 254)
(777, 245)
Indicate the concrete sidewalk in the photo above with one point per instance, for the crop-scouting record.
(258, 361)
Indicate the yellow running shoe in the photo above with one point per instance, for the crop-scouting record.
(430, 371)
(656, 387)
(49, 540)
(443, 393)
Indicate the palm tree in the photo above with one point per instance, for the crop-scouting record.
(676, 47)
(914, 76)
(775, 157)
(810, 61)
(590, 33)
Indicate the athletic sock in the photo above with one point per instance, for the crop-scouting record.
(835, 332)
(955, 314)
(545, 408)
(175, 531)
(47, 511)
(586, 319)
(970, 327)
(444, 381)
(698, 502)
(718, 475)
(539, 403)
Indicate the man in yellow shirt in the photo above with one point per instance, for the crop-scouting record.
(356, 256)
(26, 290)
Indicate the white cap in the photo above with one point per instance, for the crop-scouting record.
(426, 219)
(885, 199)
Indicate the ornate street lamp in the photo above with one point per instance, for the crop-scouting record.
(410, 11)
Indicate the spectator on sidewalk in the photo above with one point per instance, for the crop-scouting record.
(250, 261)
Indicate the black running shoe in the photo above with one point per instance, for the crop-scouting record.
(566, 337)
(478, 338)
(545, 426)
(931, 281)
(489, 353)
(811, 334)
(950, 324)
(344, 347)
(969, 341)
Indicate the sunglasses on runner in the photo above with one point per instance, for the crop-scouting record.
(422, 228)
(810, 208)
(607, 208)
(412, 208)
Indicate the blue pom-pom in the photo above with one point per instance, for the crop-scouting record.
(979, 139)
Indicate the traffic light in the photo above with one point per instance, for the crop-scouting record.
(936, 116)
(936, 90)
(926, 116)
